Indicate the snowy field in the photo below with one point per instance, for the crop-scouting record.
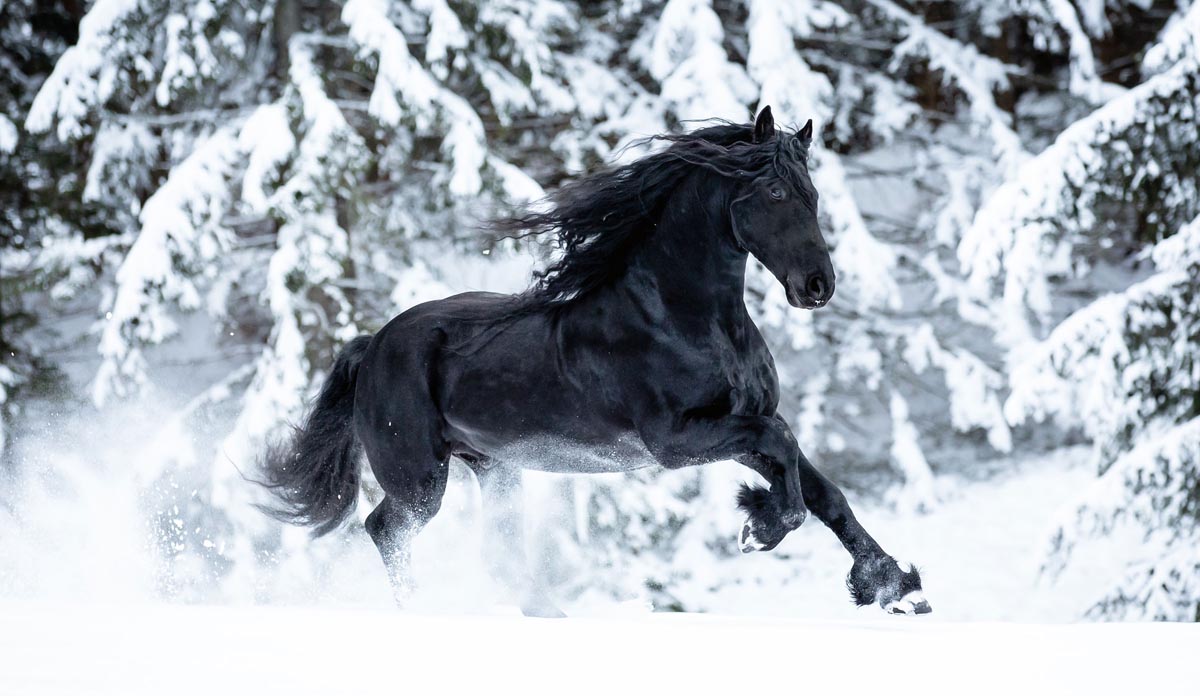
(73, 650)
(993, 630)
(980, 553)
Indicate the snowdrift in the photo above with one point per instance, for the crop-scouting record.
(155, 649)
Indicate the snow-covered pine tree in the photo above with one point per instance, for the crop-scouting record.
(34, 178)
(1123, 368)
(248, 171)
(1125, 173)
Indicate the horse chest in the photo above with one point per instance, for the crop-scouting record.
(753, 389)
(733, 378)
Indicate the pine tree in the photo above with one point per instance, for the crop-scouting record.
(1122, 368)
(35, 178)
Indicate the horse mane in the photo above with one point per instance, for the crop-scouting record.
(599, 219)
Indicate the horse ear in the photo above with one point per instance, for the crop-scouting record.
(806, 132)
(764, 125)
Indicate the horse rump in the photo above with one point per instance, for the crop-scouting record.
(314, 474)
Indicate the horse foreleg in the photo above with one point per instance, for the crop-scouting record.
(875, 577)
(504, 540)
(770, 512)
(763, 443)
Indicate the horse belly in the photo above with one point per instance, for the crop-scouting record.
(522, 412)
(564, 456)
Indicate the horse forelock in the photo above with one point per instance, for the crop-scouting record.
(599, 219)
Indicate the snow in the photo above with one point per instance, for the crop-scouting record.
(8, 135)
(181, 225)
(917, 493)
(977, 75)
(1022, 232)
(687, 57)
(84, 76)
(201, 650)
(1179, 41)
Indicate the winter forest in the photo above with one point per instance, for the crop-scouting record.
(203, 200)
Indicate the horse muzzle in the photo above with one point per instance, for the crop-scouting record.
(814, 291)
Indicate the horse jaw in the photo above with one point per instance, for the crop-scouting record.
(912, 603)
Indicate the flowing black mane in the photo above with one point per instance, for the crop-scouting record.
(600, 218)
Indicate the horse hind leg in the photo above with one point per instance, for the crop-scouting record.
(504, 538)
(403, 441)
(412, 469)
(393, 525)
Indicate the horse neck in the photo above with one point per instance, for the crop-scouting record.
(690, 261)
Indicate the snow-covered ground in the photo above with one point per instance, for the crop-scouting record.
(92, 649)
(84, 541)
(78, 618)
(979, 551)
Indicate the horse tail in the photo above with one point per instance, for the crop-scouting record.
(314, 474)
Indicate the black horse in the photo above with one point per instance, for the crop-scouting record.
(634, 349)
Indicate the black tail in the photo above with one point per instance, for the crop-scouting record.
(315, 474)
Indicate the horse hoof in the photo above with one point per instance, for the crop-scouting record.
(747, 542)
(910, 604)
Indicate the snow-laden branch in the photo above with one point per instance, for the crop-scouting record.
(1107, 367)
(87, 74)
(1083, 81)
(1025, 231)
(180, 226)
(977, 76)
(794, 91)
(1162, 589)
(687, 56)
(329, 153)
(405, 90)
(8, 136)
(1154, 488)
(1178, 43)
(121, 157)
(973, 386)
(918, 493)
(528, 27)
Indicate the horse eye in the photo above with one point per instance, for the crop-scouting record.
(776, 194)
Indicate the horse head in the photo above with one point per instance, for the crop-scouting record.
(774, 217)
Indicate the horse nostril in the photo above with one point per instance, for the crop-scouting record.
(816, 287)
